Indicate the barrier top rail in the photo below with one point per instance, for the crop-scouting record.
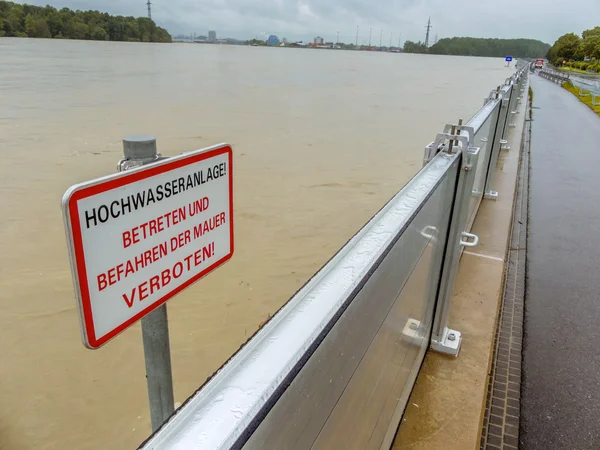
(225, 410)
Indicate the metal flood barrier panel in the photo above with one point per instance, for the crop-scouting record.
(335, 366)
(374, 350)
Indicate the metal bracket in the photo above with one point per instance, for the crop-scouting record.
(413, 333)
(429, 153)
(442, 140)
(450, 343)
(491, 195)
(459, 128)
(494, 95)
(471, 154)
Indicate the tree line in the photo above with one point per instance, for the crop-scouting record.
(18, 20)
(581, 53)
(467, 46)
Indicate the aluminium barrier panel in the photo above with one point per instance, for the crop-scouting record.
(366, 315)
(335, 366)
(375, 349)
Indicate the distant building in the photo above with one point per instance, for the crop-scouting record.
(319, 40)
(273, 40)
(212, 36)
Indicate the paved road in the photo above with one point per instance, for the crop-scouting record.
(561, 357)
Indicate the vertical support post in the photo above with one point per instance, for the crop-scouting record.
(139, 151)
(498, 142)
(516, 88)
(443, 339)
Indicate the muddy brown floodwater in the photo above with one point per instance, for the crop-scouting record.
(321, 140)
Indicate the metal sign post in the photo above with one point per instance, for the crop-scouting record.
(139, 237)
(159, 376)
(141, 150)
(508, 60)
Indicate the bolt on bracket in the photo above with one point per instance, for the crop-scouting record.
(449, 344)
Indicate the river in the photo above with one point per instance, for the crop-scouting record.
(321, 140)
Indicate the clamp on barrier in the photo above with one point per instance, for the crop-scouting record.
(452, 138)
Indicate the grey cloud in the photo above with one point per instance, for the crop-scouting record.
(303, 19)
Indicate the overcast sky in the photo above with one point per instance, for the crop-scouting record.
(304, 19)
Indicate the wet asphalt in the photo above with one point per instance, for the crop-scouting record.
(560, 403)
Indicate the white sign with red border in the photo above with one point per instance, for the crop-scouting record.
(139, 237)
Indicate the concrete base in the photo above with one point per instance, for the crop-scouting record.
(446, 406)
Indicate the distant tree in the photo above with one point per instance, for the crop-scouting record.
(161, 35)
(55, 23)
(414, 47)
(79, 29)
(14, 18)
(255, 42)
(99, 34)
(467, 46)
(35, 21)
(590, 45)
(117, 29)
(36, 26)
(578, 53)
(566, 47)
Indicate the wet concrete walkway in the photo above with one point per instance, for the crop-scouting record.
(560, 403)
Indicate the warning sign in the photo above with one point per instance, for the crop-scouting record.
(138, 238)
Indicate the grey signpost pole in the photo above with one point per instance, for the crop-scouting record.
(157, 354)
(138, 151)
